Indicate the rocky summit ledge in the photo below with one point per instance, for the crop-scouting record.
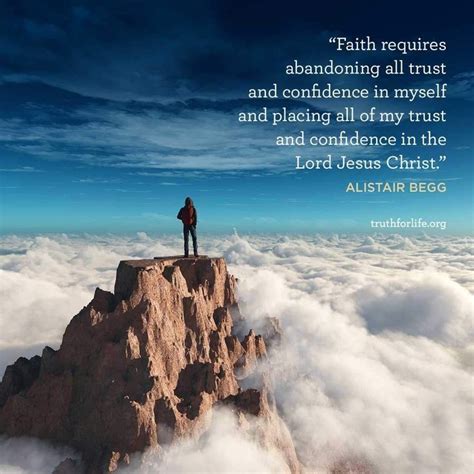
(148, 262)
(143, 276)
(145, 262)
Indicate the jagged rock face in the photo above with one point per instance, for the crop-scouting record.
(139, 368)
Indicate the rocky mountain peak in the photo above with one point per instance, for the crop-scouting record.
(141, 367)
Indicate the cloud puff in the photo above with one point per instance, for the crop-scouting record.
(375, 360)
(422, 304)
(28, 456)
(223, 449)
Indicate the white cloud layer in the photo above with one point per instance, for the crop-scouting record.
(376, 361)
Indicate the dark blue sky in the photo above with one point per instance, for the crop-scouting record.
(111, 114)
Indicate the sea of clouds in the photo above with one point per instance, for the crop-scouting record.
(375, 363)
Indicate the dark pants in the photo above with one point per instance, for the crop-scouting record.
(186, 230)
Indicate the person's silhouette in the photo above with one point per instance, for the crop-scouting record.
(188, 216)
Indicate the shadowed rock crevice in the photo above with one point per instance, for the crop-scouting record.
(19, 377)
(141, 367)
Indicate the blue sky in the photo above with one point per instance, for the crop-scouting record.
(111, 114)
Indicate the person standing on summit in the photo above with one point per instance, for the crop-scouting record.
(188, 216)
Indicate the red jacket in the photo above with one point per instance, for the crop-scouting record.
(188, 215)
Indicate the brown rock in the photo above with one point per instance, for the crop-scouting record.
(19, 377)
(272, 331)
(140, 367)
(258, 416)
(251, 401)
(352, 465)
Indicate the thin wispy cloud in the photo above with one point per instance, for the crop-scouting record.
(23, 169)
